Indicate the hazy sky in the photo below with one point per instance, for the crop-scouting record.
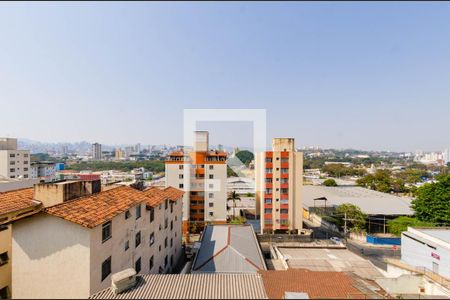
(361, 75)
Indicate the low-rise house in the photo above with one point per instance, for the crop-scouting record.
(82, 236)
(14, 205)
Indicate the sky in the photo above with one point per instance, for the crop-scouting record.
(367, 75)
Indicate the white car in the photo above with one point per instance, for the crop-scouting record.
(336, 240)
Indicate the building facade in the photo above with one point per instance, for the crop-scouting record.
(427, 248)
(43, 170)
(71, 248)
(96, 151)
(14, 163)
(202, 174)
(279, 184)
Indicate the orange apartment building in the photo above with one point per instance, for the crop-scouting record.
(279, 183)
(202, 174)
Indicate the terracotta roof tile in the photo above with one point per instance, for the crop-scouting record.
(16, 200)
(93, 210)
(316, 284)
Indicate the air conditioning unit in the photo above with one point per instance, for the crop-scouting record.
(123, 280)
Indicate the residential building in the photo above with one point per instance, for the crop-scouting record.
(14, 163)
(202, 174)
(43, 169)
(446, 156)
(14, 205)
(229, 249)
(119, 154)
(9, 184)
(96, 151)
(279, 183)
(71, 248)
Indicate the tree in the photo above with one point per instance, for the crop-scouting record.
(379, 181)
(432, 203)
(234, 197)
(356, 219)
(400, 224)
(245, 156)
(329, 182)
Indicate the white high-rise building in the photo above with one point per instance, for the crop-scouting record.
(97, 151)
(14, 163)
(446, 155)
(202, 174)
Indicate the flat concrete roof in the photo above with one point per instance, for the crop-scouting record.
(323, 259)
(371, 202)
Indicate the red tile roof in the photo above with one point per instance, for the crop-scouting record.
(93, 210)
(316, 284)
(15, 200)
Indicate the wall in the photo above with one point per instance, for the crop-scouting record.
(219, 192)
(383, 241)
(5, 246)
(45, 248)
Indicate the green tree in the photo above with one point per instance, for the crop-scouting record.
(234, 197)
(379, 181)
(245, 156)
(329, 182)
(432, 203)
(398, 225)
(356, 219)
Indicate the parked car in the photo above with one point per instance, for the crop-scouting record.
(336, 240)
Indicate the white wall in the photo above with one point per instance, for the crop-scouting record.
(44, 248)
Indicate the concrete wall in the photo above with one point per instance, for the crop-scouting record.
(21, 164)
(420, 254)
(51, 258)
(219, 192)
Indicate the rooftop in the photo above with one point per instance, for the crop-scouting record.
(93, 210)
(192, 286)
(441, 233)
(229, 249)
(16, 200)
(371, 202)
(315, 284)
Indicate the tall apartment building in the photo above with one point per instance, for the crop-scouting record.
(279, 184)
(96, 151)
(82, 236)
(202, 174)
(14, 163)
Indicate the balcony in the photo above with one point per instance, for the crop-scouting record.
(284, 165)
(269, 175)
(269, 185)
(284, 185)
(269, 165)
(284, 154)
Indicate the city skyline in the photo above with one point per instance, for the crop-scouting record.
(369, 76)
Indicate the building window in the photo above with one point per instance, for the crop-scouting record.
(25, 169)
(151, 263)
(12, 163)
(138, 239)
(180, 176)
(180, 185)
(4, 258)
(106, 268)
(171, 242)
(25, 176)
(152, 238)
(171, 207)
(166, 204)
(159, 248)
(211, 167)
(160, 206)
(127, 214)
(268, 170)
(284, 171)
(176, 218)
(267, 210)
(25, 162)
(166, 261)
(268, 201)
(12, 170)
(12, 155)
(152, 214)
(283, 211)
(211, 204)
(138, 211)
(211, 176)
(211, 195)
(127, 245)
(4, 293)
(137, 265)
(284, 191)
(106, 231)
(171, 225)
(166, 223)
(160, 270)
(25, 155)
(211, 186)
(165, 242)
(180, 167)
(211, 214)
